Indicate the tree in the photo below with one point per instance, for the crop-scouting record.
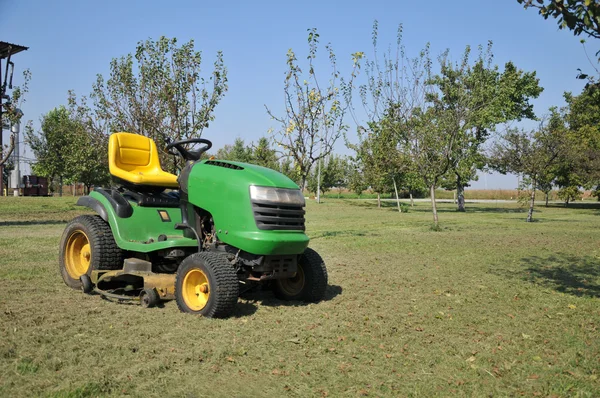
(67, 149)
(263, 155)
(287, 168)
(580, 16)
(332, 175)
(428, 144)
(472, 100)
(582, 116)
(314, 115)
(356, 181)
(377, 152)
(159, 92)
(51, 145)
(88, 155)
(532, 154)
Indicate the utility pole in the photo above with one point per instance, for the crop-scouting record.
(16, 173)
(6, 51)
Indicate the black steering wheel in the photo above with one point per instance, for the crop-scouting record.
(189, 155)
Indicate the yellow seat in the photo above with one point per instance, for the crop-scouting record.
(134, 158)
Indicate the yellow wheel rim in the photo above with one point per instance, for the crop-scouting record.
(78, 254)
(294, 285)
(195, 289)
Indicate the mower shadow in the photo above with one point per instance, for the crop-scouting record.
(251, 299)
(575, 275)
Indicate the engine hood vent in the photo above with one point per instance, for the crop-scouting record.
(226, 165)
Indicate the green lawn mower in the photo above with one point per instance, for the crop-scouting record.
(195, 238)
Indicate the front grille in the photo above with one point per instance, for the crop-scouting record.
(272, 216)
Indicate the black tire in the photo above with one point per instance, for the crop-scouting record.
(310, 281)
(103, 253)
(213, 273)
(86, 284)
(149, 298)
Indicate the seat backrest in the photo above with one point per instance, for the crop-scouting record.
(132, 152)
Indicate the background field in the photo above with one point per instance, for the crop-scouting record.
(490, 305)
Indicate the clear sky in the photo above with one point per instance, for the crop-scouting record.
(72, 40)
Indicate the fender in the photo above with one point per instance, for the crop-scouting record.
(94, 204)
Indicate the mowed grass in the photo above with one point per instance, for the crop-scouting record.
(489, 306)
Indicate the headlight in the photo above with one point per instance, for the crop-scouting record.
(285, 196)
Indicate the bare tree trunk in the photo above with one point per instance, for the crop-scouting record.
(412, 202)
(460, 193)
(547, 194)
(60, 182)
(532, 202)
(378, 200)
(397, 199)
(433, 206)
(74, 188)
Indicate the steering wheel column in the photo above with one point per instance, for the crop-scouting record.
(190, 158)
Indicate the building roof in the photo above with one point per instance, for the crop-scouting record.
(9, 48)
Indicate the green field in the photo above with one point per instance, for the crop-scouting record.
(489, 306)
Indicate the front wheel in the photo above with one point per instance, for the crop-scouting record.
(308, 284)
(206, 284)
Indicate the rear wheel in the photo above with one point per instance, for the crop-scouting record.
(206, 284)
(87, 244)
(308, 284)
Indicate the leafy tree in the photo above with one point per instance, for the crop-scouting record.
(333, 174)
(51, 145)
(378, 155)
(568, 194)
(395, 94)
(159, 92)
(532, 154)
(237, 152)
(582, 116)
(472, 100)
(314, 114)
(67, 149)
(88, 158)
(356, 181)
(263, 155)
(287, 168)
(580, 16)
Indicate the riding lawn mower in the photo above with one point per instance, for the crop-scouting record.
(200, 237)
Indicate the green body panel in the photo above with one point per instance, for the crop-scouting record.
(225, 193)
(133, 233)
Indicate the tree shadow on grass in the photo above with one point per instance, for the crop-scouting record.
(30, 223)
(262, 295)
(506, 210)
(576, 275)
(577, 205)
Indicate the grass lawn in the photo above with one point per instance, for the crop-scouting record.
(489, 306)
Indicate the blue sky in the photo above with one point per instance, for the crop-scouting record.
(72, 41)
